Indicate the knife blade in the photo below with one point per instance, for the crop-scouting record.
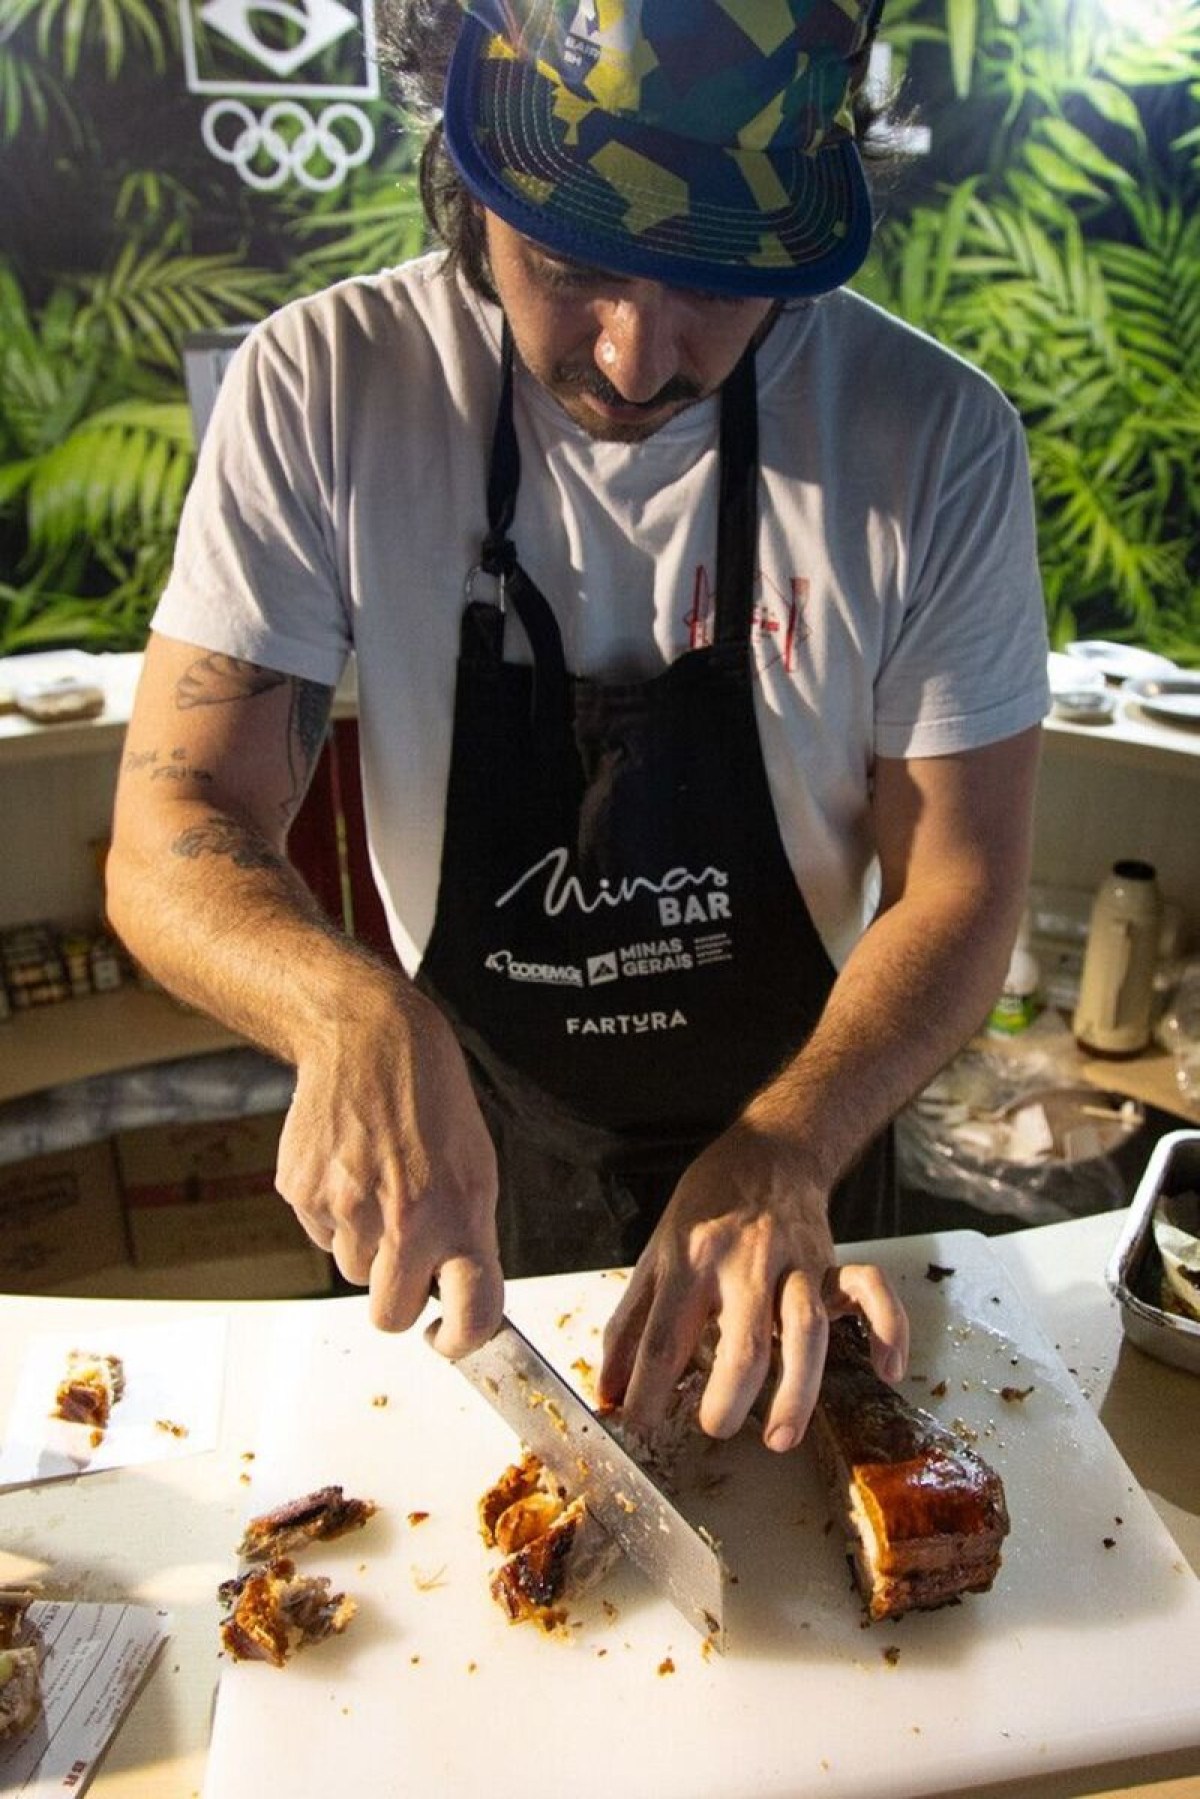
(577, 1446)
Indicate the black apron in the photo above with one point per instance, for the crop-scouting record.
(619, 942)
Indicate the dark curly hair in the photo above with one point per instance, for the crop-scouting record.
(416, 42)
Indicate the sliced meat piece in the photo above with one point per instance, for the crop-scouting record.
(20, 1689)
(317, 1517)
(91, 1388)
(925, 1516)
(558, 1564)
(273, 1611)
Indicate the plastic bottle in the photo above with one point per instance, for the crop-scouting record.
(1116, 992)
(1019, 1002)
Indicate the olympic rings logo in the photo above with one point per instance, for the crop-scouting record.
(288, 139)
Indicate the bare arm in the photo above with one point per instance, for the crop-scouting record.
(384, 1156)
(746, 1237)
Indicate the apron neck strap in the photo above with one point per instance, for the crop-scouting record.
(737, 503)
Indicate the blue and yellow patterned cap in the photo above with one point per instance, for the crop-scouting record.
(705, 143)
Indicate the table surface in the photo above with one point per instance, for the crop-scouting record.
(163, 1535)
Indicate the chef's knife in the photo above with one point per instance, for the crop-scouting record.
(583, 1453)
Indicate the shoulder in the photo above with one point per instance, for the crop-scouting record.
(416, 310)
(879, 361)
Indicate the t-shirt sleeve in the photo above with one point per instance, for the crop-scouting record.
(256, 567)
(969, 664)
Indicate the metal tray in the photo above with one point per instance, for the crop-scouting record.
(1134, 1273)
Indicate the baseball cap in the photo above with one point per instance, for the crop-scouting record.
(702, 143)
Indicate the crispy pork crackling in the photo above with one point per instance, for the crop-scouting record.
(318, 1517)
(90, 1389)
(925, 1517)
(273, 1611)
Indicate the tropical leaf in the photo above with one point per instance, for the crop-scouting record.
(150, 299)
(116, 27)
(118, 478)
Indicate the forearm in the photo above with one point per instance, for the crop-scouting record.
(919, 982)
(214, 911)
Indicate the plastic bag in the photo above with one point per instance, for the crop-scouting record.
(1012, 1130)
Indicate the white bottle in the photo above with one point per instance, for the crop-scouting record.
(1116, 993)
(1019, 1003)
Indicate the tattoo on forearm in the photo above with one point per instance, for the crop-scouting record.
(139, 759)
(225, 837)
(308, 724)
(215, 680)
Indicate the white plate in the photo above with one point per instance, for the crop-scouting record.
(1069, 674)
(1120, 661)
(1176, 699)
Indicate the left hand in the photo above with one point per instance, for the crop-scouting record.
(744, 1240)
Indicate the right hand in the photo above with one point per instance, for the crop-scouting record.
(387, 1163)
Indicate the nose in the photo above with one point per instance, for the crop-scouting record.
(637, 346)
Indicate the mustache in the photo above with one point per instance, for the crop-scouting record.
(593, 383)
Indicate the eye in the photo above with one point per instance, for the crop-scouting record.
(558, 273)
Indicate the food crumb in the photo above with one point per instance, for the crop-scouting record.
(171, 1429)
(891, 1654)
(247, 1455)
(1110, 1542)
(666, 1666)
(417, 1517)
(938, 1392)
(413, 1660)
(472, 1667)
(380, 1399)
(610, 1610)
(600, 1652)
(936, 1273)
(426, 1583)
(1014, 1394)
(244, 1479)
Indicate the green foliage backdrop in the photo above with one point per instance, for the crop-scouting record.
(1052, 236)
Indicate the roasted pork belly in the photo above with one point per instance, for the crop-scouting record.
(924, 1515)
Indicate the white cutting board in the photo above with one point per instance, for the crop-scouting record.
(1081, 1653)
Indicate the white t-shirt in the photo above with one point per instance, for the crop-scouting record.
(339, 504)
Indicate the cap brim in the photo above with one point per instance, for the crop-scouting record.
(772, 223)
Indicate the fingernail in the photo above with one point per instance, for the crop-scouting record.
(782, 1437)
(893, 1365)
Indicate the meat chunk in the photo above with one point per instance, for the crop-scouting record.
(91, 1388)
(20, 1689)
(273, 1611)
(925, 1516)
(317, 1517)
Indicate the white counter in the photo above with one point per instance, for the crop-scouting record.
(163, 1535)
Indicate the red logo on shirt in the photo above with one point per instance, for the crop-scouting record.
(778, 616)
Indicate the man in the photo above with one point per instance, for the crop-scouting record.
(697, 625)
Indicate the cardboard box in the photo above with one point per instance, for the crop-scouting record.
(200, 1192)
(60, 1216)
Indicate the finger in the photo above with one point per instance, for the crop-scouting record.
(400, 1286)
(864, 1288)
(740, 1364)
(318, 1229)
(674, 1325)
(622, 1334)
(803, 1340)
(472, 1293)
(353, 1255)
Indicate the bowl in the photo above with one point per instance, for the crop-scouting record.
(1152, 1311)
